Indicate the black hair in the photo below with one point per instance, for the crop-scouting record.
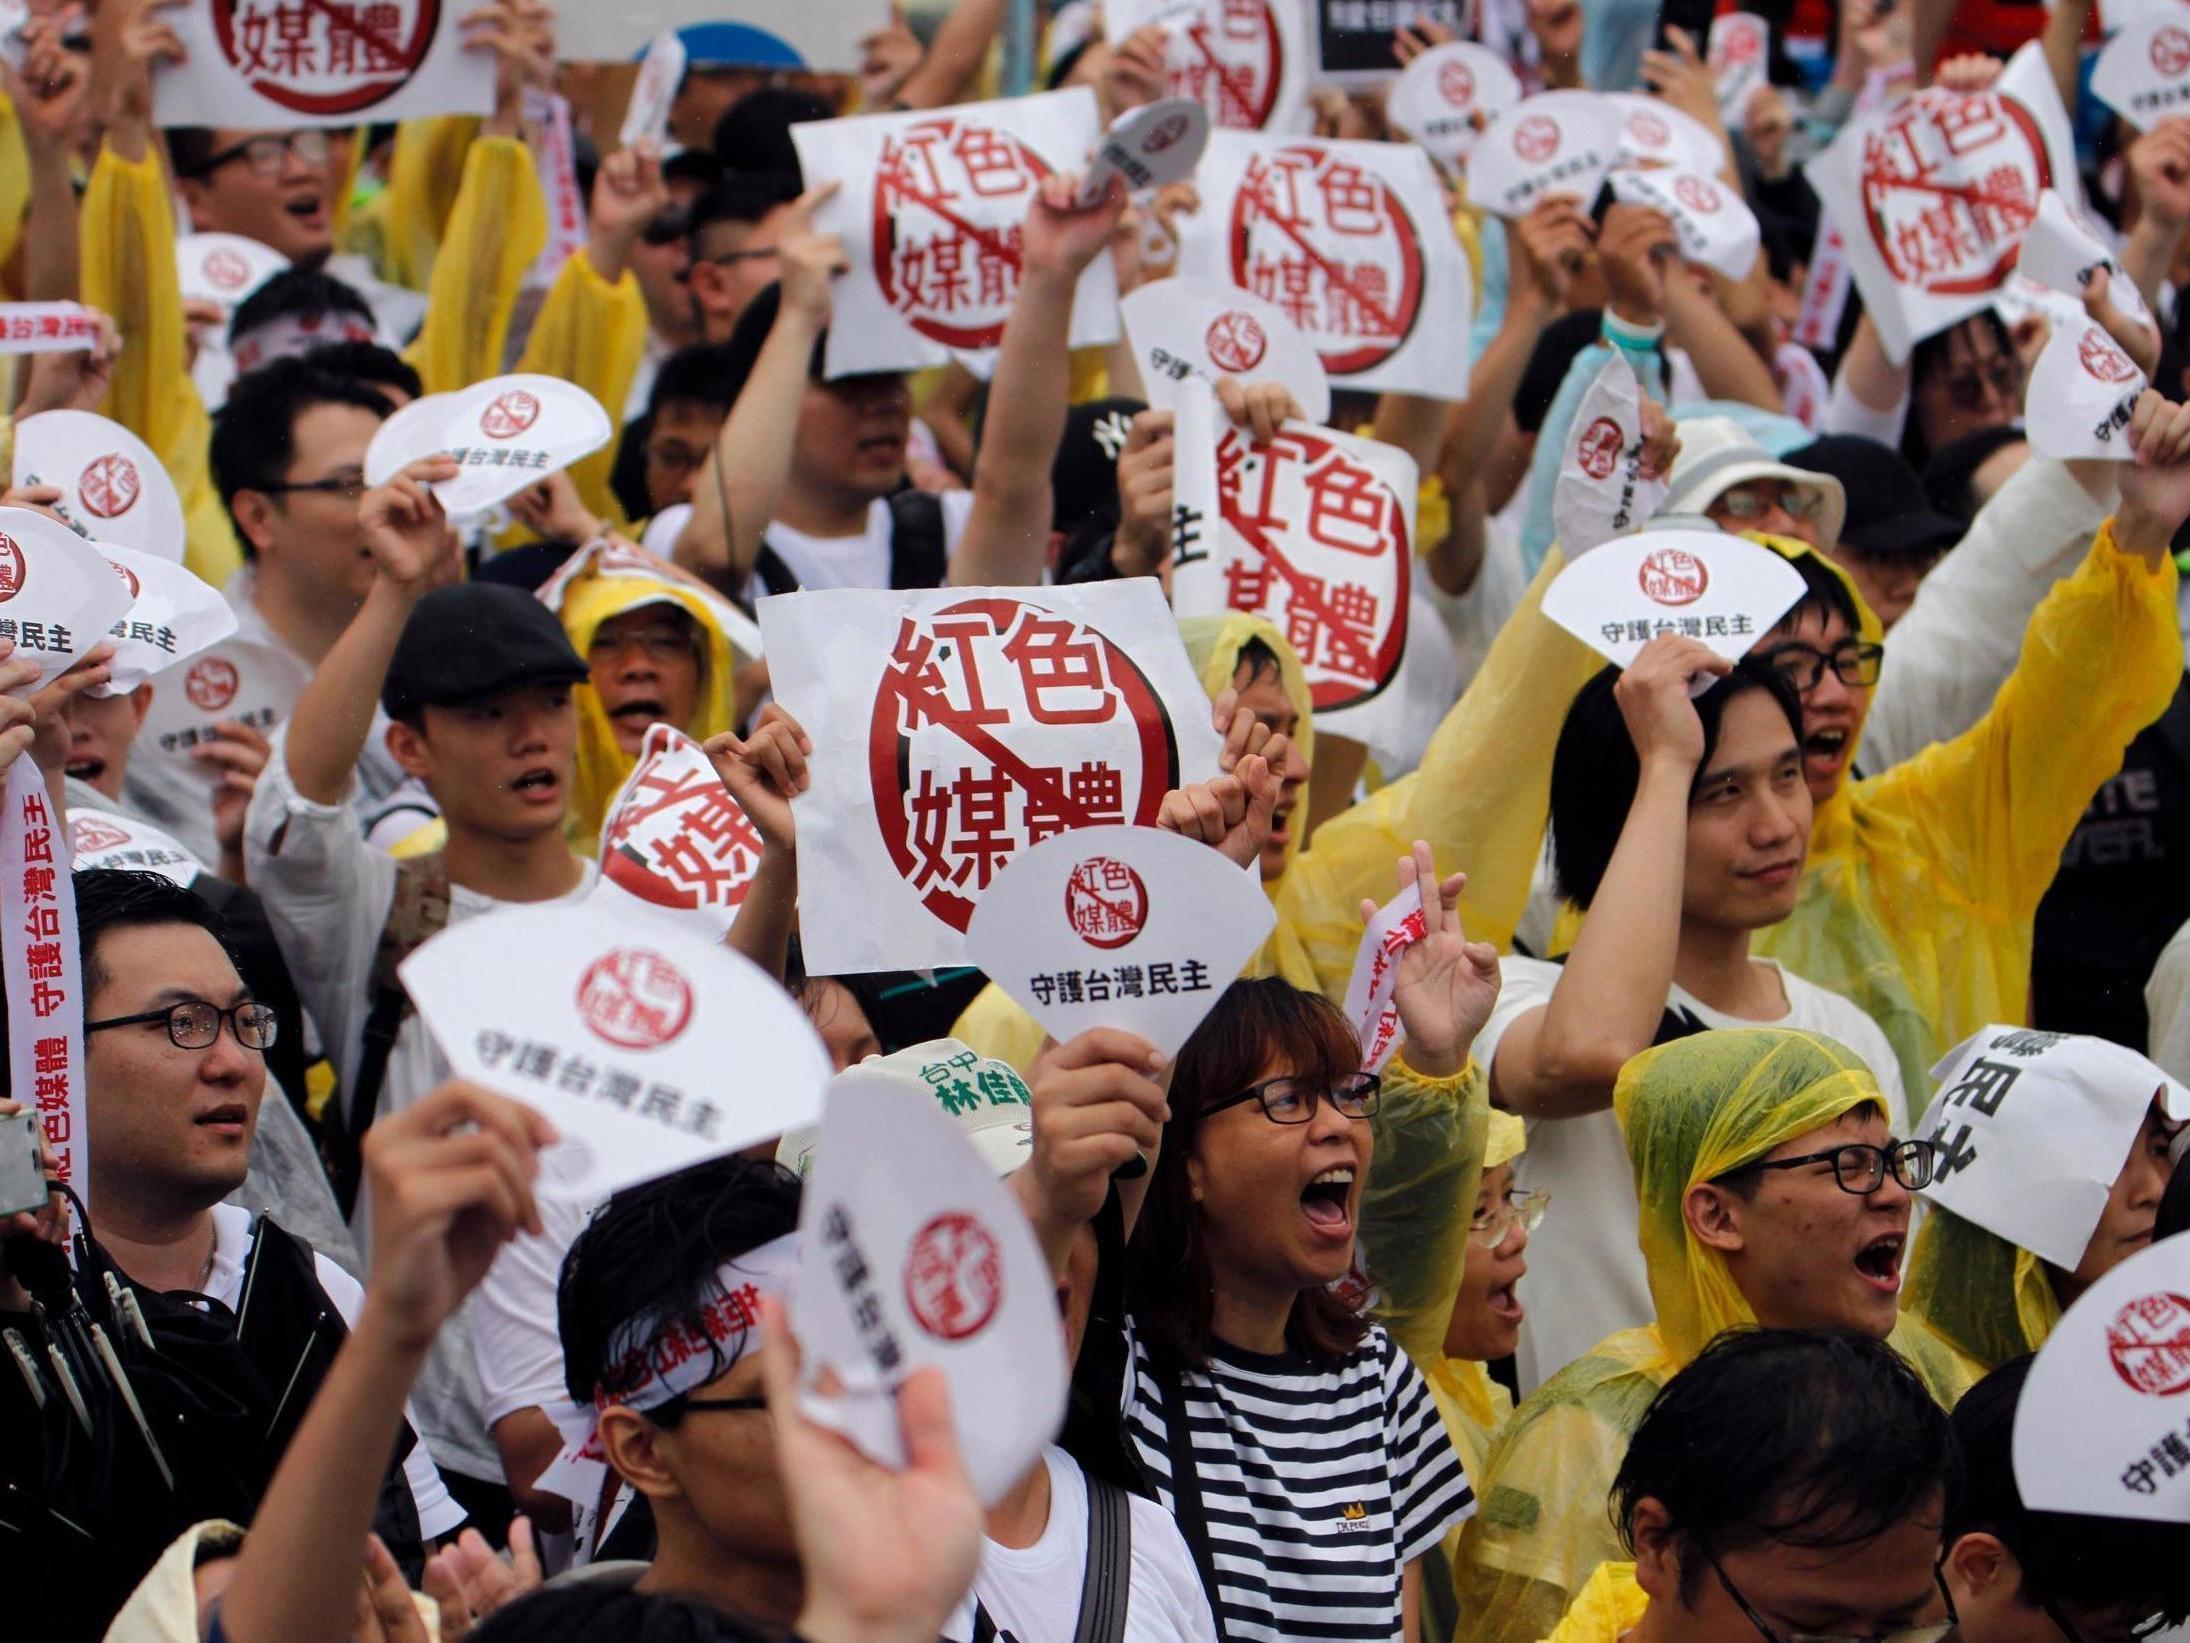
(188, 149)
(110, 898)
(697, 374)
(254, 434)
(299, 293)
(653, 1252)
(750, 334)
(2068, 1559)
(1950, 477)
(1557, 345)
(1595, 771)
(1824, 595)
(1814, 1438)
(582, 1610)
(2174, 1211)
(740, 196)
(1258, 659)
(754, 133)
(627, 473)
(369, 363)
(1932, 354)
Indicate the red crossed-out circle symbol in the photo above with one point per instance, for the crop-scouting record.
(128, 576)
(1165, 134)
(1599, 448)
(1949, 188)
(1455, 84)
(1236, 341)
(2103, 360)
(2149, 1343)
(109, 485)
(12, 568)
(1737, 44)
(1106, 902)
(676, 838)
(634, 998)
(950, 197)
(2171, 51)
(226, 269)
(1536, 138)
(211, 683)
(1648, 129)
(954, 1276)
(509, 414)
(1231, 64)
(88, 831)
(1697, 194)
(325, 58)
(1670, 576)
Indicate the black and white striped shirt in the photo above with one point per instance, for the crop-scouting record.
(1319, 1484)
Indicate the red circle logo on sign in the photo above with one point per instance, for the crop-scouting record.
(958, 757)
(634, 998)
(2171, 51)
(1169, 132)
(1236, 341)
(949, 203)
(954, 1277)
(510, 414)
(109, 485)
(325, 59)
(88, 831)
(1536, 138)
(1670, 576)
(12, 568)
(1648, 129)
(1334, 248)
(226, 269)
(128, 576)
(1737, 45)
(1106, 902)
(1599, 448)
(2149, 1342)
(1231, 64)
(211, 683)
(680, 840)
(2103, 360)
(1455, 84)
(1696, 193)
(1950, 186)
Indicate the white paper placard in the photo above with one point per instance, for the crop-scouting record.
(766, 33)
(2019, 297)
(2062, 252)
(112, 485)
(224, 268)
(406, 434)
(648, 1047)
(1556, 142)
(1146, 148)
(238, 681)
(1600, 492)
(674, 840)
(2034, 1127)
(1703, 585)
(1181, 328)
(1654, 132)
(2143, 73)
(172, 617)
(265, 65)
(1351, 242)
(1122, 18)
(932, 214)
(511, 432)
(661, 73)
(1448, 96)
(1245, 61)
(1740, 43)
(913, 1255)
(1316, 533)
(1935, 193)
(953, 727)
(1127, 927)
(554, 157)
(103, 839)
(2082, 393)
(2102, 1421)
(984, 1097)
(58, 596)
(1398, 925)
(1713, 222)
(47, 328)
(14, 47)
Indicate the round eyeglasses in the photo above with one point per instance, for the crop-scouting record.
(1861, 1169)
(1519, 1209)
(195, 1024)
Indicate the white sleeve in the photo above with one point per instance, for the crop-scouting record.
(957, 509)
(1164, 1577)
(1948, 657)
(513, 1320)
(1845, 414)
(2167, 998)
(1524, 984)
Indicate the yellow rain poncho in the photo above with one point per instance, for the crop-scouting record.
(1691, 1111)
(1610, 1604)
(588, 601)
(1980, 1299)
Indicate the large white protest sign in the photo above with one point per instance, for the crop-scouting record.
(1557, 142)
(1351, 242)
(952, 727)
(1601, 492)
(1204, 329)
(172, 616)
(2143, 73)
(103, 839)
(2063, 252)
(277, 64)
(1740, 42)
(1245, 61)
(58, 595)
(2032, 1130)
(1374, 984)
(2082, 393)
(661, 73)
(1654, 132)
(1935, 193)
(1703, 585)
(1446, 98)
(739, 33)
(2103, 1424)
(1710, 218)
(47, 328)
(648, 1047)
(112, 485)
(238, 681)
(913, 1255)
(1147, 148)
(933, 216)
(511, 432)
(1127, 927)
(674, 840)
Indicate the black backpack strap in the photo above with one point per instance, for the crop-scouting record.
(1186, 1501)
(1107, 1585)
(919, 555)
(419, 910)
(772, 573)
(984, 1628)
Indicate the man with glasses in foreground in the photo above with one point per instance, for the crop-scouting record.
(1772, 1192)
(174, 1069)
(1786, 1487)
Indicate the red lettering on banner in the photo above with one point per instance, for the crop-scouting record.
(1950, 186)
(950, 190)
(325, 56)
(1234, 70)
(677, 838)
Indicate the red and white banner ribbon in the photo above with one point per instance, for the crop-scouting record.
(556, 156)
(47, 327)
(44, 979)
(1397, 926)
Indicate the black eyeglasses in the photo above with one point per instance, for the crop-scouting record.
(350, 487)
(1803, 666)
(1861, 1169)
(194, 1024)
(1905, 1634)
(2151, 1627)
(269, 151)
(1293, 1100)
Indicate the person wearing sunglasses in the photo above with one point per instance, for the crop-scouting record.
(2020, 1575)
(1773, 1192)
(1787, 1487)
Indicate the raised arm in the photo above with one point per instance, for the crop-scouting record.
(764, 772)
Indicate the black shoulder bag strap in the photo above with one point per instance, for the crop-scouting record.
(419, 909)
(1186, 1501)
(919, 545)
(1107, 1585)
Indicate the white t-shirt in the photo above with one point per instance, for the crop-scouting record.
(1585, 1267)
(1033, 1594)
(438, 1514)
(861, 561)
(514, 1335)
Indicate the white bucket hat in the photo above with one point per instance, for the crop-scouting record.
(1717, 453)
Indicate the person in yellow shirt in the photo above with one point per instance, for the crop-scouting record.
(1786, 1484)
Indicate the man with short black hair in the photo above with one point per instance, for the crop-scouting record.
(294, 312)
(733, 229)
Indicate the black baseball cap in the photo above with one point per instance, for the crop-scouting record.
(473, 642)
(1889, 514)
(1083, 480)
